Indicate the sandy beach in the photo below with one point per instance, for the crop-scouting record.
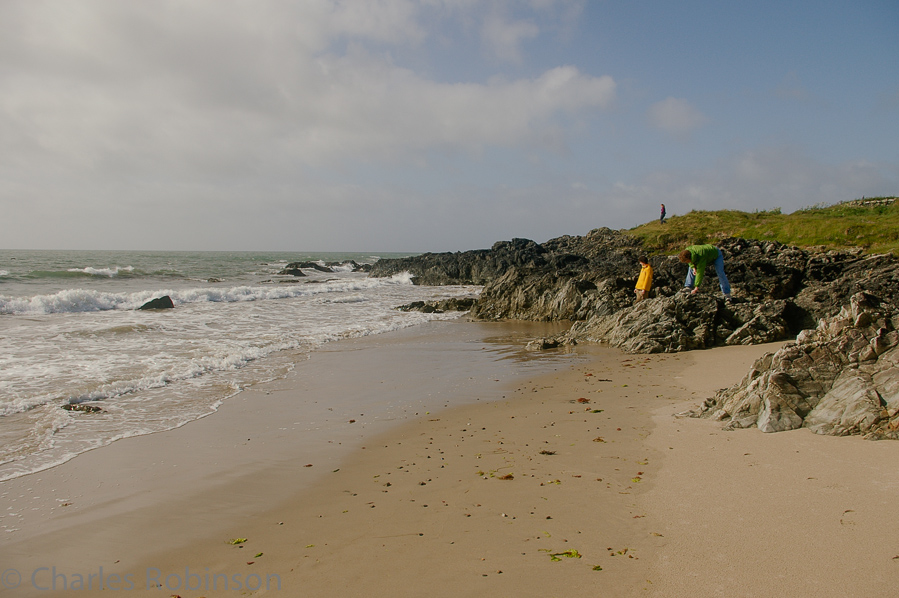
(482, 470)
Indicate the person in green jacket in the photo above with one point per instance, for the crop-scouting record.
(697, 257)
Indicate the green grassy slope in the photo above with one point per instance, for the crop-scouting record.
(870, 224)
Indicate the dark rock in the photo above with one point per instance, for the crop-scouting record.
(164, 302)
(475, 267)
(426, 308)
(308, 265)
(296, 268)
(81, 408)
(443, 305)
(575, 277)
(291, 272)
(543, 344)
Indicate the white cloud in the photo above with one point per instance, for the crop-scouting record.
(366, 105)
(676, 116)
(504, 38)
(383, 20)
(219, 120)
(508, 25)
(217, 86)
(197, 119)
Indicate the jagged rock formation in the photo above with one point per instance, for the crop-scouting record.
(295, 268)
(476, 267)
(840, 378)
(526, 280)
(683, 322)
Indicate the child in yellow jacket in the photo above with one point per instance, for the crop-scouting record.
(644, 282)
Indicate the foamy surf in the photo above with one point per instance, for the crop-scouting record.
(151, 371)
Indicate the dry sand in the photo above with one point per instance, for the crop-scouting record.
(578, 481)
(745, 513)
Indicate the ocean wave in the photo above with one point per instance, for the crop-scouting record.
(108, 272)
(344, 267)
(182, 368)
(87, 272)
(355, 298)
(90, 272)
(85, 300)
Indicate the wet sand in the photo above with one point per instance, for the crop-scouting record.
(478, 469)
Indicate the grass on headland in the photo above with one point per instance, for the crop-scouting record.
(871, 224)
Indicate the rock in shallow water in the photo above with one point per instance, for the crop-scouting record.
(443, 305)
(164, 302)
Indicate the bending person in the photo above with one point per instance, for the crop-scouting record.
(697, 257)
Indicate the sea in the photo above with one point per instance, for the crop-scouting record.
(71, 334)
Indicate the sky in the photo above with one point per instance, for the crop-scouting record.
(430, 125)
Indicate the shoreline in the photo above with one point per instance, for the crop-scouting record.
(60, 515)
(662, 506)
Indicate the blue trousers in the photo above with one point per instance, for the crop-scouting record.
(719, 269)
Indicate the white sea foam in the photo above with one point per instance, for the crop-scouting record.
(152, 371)
(86, 300)
(109, 272)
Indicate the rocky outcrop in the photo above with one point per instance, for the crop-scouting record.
(526, 280)
(308, 266)
(840, 378)
(683, 322)
(476, 267)
(831, 278)
(296, 268)
(779, 290)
